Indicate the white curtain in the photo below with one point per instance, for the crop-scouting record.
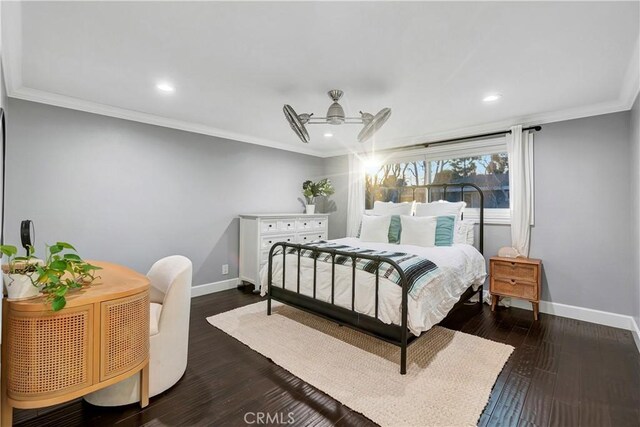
(520, 150)
(356, 194)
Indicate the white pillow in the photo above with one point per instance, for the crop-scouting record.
(418, 231)
(441, 208)
(390, 208)
(375, 228)
(464, 232)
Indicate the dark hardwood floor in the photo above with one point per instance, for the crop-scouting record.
(563, 372)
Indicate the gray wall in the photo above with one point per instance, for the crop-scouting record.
(133, 193)
(635, 205)
(582, 213)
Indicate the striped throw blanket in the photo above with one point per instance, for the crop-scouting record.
(418, 271)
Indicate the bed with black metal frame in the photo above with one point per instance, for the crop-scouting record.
(371, 325)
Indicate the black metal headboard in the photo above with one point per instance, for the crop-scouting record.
(444, 187)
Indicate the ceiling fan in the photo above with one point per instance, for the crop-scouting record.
(336, 116)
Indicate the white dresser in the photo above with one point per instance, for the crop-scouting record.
(258, 232)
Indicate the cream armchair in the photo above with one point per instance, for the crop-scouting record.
(170, 296)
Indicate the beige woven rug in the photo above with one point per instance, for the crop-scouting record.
(449, 374)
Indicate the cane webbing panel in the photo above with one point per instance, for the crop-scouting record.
(48, 353)
(125, 334)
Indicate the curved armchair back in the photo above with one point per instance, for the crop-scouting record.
(171, 286)
(171, 271)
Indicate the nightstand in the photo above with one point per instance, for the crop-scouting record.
(517, 278)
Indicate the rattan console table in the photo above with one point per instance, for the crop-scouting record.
(98, 339)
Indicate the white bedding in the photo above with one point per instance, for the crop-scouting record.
(460, 266)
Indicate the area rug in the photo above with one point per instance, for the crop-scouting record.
(449, 374)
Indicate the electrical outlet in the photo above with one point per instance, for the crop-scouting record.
(225, 268)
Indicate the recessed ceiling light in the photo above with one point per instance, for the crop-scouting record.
(491, 98)
(328, 134)
(165, 87)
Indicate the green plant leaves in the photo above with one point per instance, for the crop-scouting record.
(58, 265)
(54, 249)
(58, 303)
(86, 268)
(8, 250)
(312, 189)
(62, 270)
(65, 245)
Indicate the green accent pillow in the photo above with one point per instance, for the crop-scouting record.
(395, 228)
(444, 230)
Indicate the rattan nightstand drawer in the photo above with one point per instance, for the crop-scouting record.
(514, 288)
(515, 270)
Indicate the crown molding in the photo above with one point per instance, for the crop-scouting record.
(622, 104)
(57, 100)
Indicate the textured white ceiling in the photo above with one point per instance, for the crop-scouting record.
(234, 64)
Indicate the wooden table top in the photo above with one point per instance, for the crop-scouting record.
(113, 281)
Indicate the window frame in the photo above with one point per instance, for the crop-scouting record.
(462, 149)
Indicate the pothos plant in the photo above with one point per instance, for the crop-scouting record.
(18, 264)
(311, 189)
(62, 270)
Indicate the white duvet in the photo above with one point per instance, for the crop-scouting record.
(459, 267)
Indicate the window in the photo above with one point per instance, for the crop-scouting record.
(483, 163)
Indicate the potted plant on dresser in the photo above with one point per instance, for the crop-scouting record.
(62, 270)
(311, 190)
(19, 273)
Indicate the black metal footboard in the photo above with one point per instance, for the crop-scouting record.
(395, 334)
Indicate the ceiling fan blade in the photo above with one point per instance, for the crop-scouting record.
(372, 125)
(295, 123)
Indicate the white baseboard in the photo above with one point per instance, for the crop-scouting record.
(586, 314)
(209, 288)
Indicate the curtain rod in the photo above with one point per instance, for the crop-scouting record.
(464, 138)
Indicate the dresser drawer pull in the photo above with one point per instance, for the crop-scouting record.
(513, 282)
